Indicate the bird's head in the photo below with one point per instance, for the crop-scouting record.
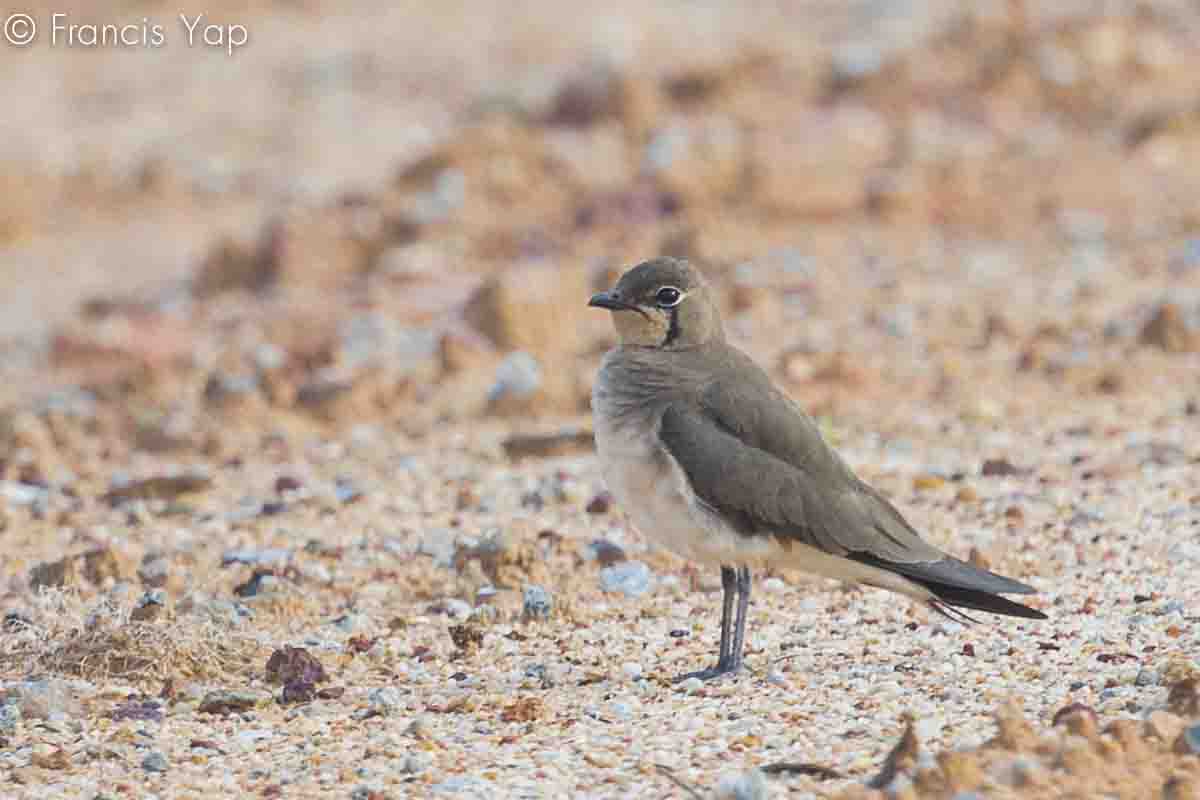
(662, 303)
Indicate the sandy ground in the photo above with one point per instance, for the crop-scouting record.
(297, 492)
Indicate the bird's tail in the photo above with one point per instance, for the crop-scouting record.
(949, 599)
(956, 584)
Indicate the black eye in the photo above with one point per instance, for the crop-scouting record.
(668, 296)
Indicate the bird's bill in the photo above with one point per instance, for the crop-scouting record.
(610, 301)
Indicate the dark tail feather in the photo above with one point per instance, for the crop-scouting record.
(949, 597)
(956, 583)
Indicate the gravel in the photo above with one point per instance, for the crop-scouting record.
(378, 462)
(631, 578)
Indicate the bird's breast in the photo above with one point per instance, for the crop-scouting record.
(655, 493)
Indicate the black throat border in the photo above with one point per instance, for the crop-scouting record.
(673, 330)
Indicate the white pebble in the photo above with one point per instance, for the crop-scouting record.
(632, 670)
(750, 785)
(928, 728)
(417, 762)
(621, 710)
(457, 609)
(385, 700)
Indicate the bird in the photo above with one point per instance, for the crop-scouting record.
(708, 457)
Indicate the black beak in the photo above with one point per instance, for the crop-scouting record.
(610, 301)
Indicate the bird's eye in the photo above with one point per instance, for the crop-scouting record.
(668, 297)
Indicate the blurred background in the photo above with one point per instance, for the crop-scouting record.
(396, 212)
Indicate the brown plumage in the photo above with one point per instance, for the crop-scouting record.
(709, 457)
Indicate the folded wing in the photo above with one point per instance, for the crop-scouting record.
(779, 478)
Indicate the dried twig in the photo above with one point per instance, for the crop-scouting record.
(818, 771)
(901, 759)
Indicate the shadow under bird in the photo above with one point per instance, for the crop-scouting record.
(711, 459)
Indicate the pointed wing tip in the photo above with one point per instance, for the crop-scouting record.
(1007, 609)
(950, 602)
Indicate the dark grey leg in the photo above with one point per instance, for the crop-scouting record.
(739, 627)
(731, 640)
(728, 588)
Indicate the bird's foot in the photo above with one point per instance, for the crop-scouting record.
(712, 673)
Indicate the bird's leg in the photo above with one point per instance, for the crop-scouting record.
(725, 660)
(728, 587)
(739, 627)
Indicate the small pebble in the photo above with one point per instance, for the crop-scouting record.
(631, 578)
(317, 573)
(1146, 677)
(519, 375)
(457, 609)
(927, 728)
(9, 716)
(256, 557)
(249, 738)
(345, 491)
(439, 544)
(773, 585)
(385, 701)
(286, 483)
(856, 61)
(416, 762)
(148, 606)
(1023, 771)
(223, 701)
(632, 670)
(153, 571)
(1186, 259)
(668, 583)
(259, 583)
(1173, 607)
(604, 552)
(691, 685)
(155, 762)
(419, 728)
(537, 602)
(750, 785)
(224, 612)
(600, 504)
(1189, 740)
(468, 784)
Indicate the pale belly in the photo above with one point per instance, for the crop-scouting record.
(654, 493)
